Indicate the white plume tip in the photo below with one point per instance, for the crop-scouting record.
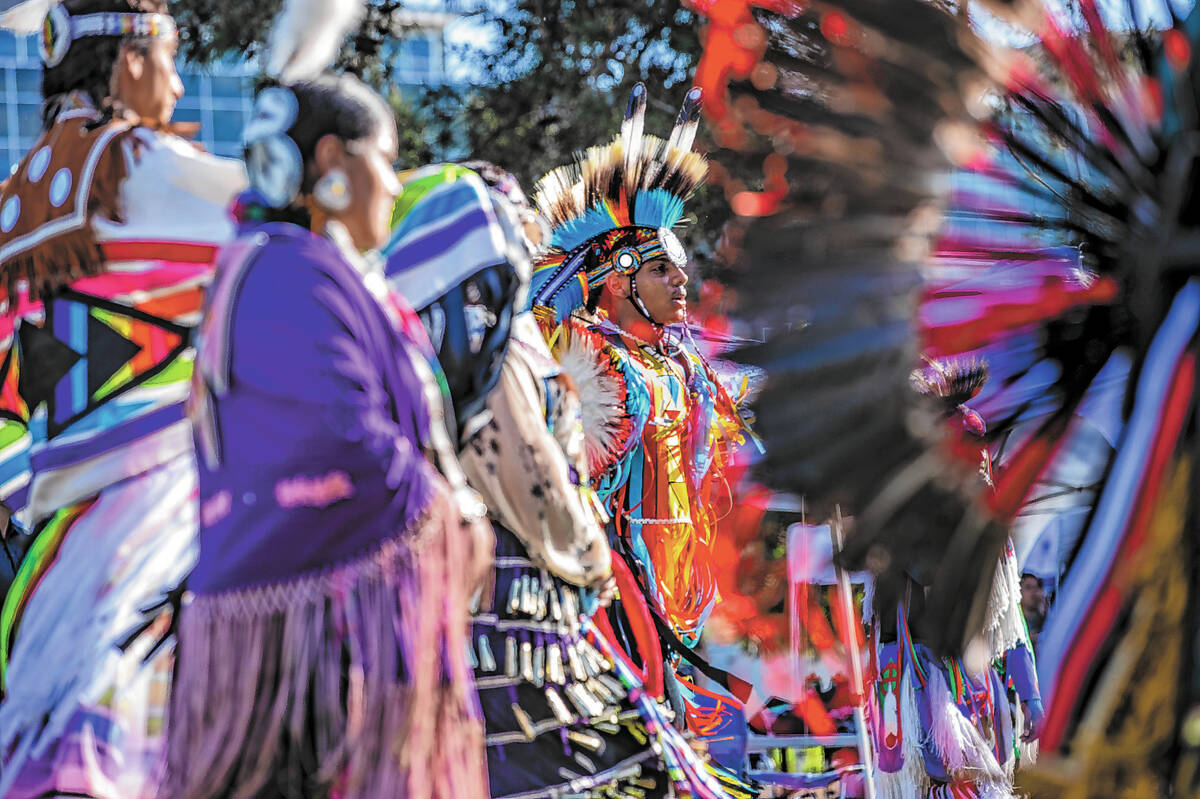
(307, 35)
(26, 18)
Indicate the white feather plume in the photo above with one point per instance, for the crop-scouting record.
(601, 398)
(26, 18)
(307, 34)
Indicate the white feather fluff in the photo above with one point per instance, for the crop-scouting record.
(307, 34)
(960, 746)
(26, 18)
(601, 399)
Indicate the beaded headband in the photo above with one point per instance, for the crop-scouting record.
(60, 29)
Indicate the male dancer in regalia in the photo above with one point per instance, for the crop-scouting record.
(659, 427)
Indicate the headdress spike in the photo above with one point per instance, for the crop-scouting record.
(688, 121)
(635, 115)
(631, 135)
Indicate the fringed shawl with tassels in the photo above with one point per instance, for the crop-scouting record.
(324, 644)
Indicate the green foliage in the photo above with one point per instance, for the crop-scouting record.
(553, 79)
(562, 69)
(210, 30)
(558, 79)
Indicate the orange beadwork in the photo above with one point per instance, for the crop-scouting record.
(674, 493)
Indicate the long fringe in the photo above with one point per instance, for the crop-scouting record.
(352, 682)
(956, 741)
(54, 265)
(1005, 626)
(1027, 752)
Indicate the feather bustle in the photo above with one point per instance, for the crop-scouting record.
(602, 394)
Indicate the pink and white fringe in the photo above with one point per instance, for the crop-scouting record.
(362, 666)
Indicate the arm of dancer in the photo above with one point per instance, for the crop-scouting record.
(1019, 666)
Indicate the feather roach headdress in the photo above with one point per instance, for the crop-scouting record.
(615, 206)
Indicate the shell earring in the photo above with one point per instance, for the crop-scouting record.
(332, 191)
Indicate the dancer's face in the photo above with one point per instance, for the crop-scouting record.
(661, 287)
(1032, 593)
(372, 183)
(146, 82)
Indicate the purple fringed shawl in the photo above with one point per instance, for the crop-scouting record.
(322, 647)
